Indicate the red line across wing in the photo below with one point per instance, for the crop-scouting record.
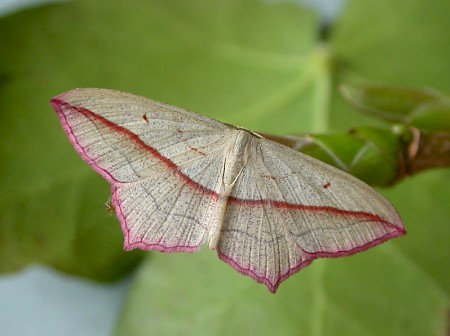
(59, 104)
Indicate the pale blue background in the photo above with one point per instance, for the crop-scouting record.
(40, 301)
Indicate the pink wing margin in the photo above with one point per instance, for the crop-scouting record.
(393, 231)
(273, 287)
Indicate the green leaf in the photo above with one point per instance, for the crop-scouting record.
(375, 293)
(396, 43)
(392, 41)
(244, 62)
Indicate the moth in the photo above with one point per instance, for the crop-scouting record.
(180, 179)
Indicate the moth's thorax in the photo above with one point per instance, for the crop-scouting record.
(238, 147)
(242, 146)
(238, 154)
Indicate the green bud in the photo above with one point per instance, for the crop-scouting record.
(389, 103)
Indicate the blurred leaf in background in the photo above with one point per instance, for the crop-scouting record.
(251, 63)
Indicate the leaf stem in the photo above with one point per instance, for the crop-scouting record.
(322, 71)
(318, 303)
